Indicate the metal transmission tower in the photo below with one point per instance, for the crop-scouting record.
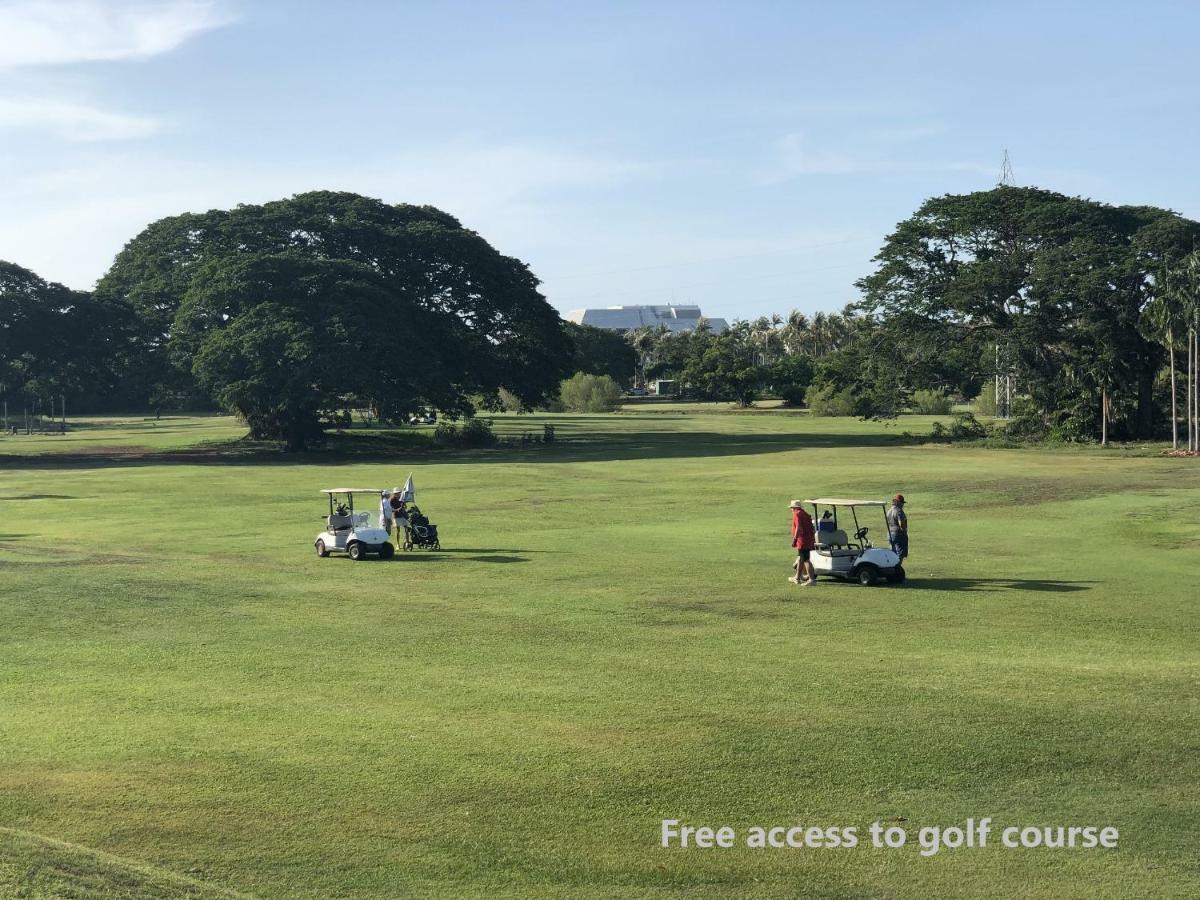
(1005, 381)
(1006, 173)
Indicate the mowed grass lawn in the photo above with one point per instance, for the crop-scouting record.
(192, 703)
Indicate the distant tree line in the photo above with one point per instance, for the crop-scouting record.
(770, 356)
(56, 342)
(1076, 308)
(293, 313)
(290, 314)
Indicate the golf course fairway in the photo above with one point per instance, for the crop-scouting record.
(193, 704)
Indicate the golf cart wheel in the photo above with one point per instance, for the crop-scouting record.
(387, 551)
(867, 575)
(897, 577)
(356, 551)
(437, 545)
(322, 551)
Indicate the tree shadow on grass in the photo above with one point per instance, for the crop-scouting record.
(1041, 585)
(15, 497)
(595, 447)
(491, 550)
(418, 556)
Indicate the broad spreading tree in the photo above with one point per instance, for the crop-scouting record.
(56, 342)
(416, 309)
(1055, 286)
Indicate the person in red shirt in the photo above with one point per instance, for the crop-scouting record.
(804, 539)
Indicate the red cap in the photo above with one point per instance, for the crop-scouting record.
(899, 498)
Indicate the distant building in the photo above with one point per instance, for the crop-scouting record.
(630, 318)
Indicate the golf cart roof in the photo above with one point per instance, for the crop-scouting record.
(351, 491)
(825, 501)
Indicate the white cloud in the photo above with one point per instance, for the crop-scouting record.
(72, 121)
(793, 156)
(58, 32)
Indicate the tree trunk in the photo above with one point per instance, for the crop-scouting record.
(1195, 389)
(1174, 413)
(1192, 365)
(1103, 417)
(1191, 391)
(1187, 412)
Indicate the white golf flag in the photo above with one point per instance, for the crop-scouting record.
(410, 492)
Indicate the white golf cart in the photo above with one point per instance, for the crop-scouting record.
(839, 556)
(350, 532)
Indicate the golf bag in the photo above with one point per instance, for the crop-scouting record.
(422, 533)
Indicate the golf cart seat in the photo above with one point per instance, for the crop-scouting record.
(835, 543)
(340, 523)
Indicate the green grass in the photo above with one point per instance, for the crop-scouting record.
(190, 700)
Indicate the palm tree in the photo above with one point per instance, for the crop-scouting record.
(644, 341)
(795, 332)
(820, 334)
(762, 333)
(1180, 312)
(1163, 319)
(1190, 296)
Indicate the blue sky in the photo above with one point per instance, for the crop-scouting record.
(749, 157)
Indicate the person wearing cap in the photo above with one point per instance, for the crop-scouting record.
(399, 517)
(804, 539)
(897, 523)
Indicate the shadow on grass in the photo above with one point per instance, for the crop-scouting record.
(418, 556)
(381, 448)
(1040, 585)
(491, 550)
(39, 497)
(165, 424)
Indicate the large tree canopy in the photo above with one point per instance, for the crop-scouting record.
(288, 342)
(418, 294)
(602, 352)
(55, 341)
(1045, 287)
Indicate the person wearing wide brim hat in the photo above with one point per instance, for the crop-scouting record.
(804, 539)
(897, 523)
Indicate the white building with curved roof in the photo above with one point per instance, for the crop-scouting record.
(683, 317)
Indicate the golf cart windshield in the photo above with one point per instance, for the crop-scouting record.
(840, 507)
(342, 512)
